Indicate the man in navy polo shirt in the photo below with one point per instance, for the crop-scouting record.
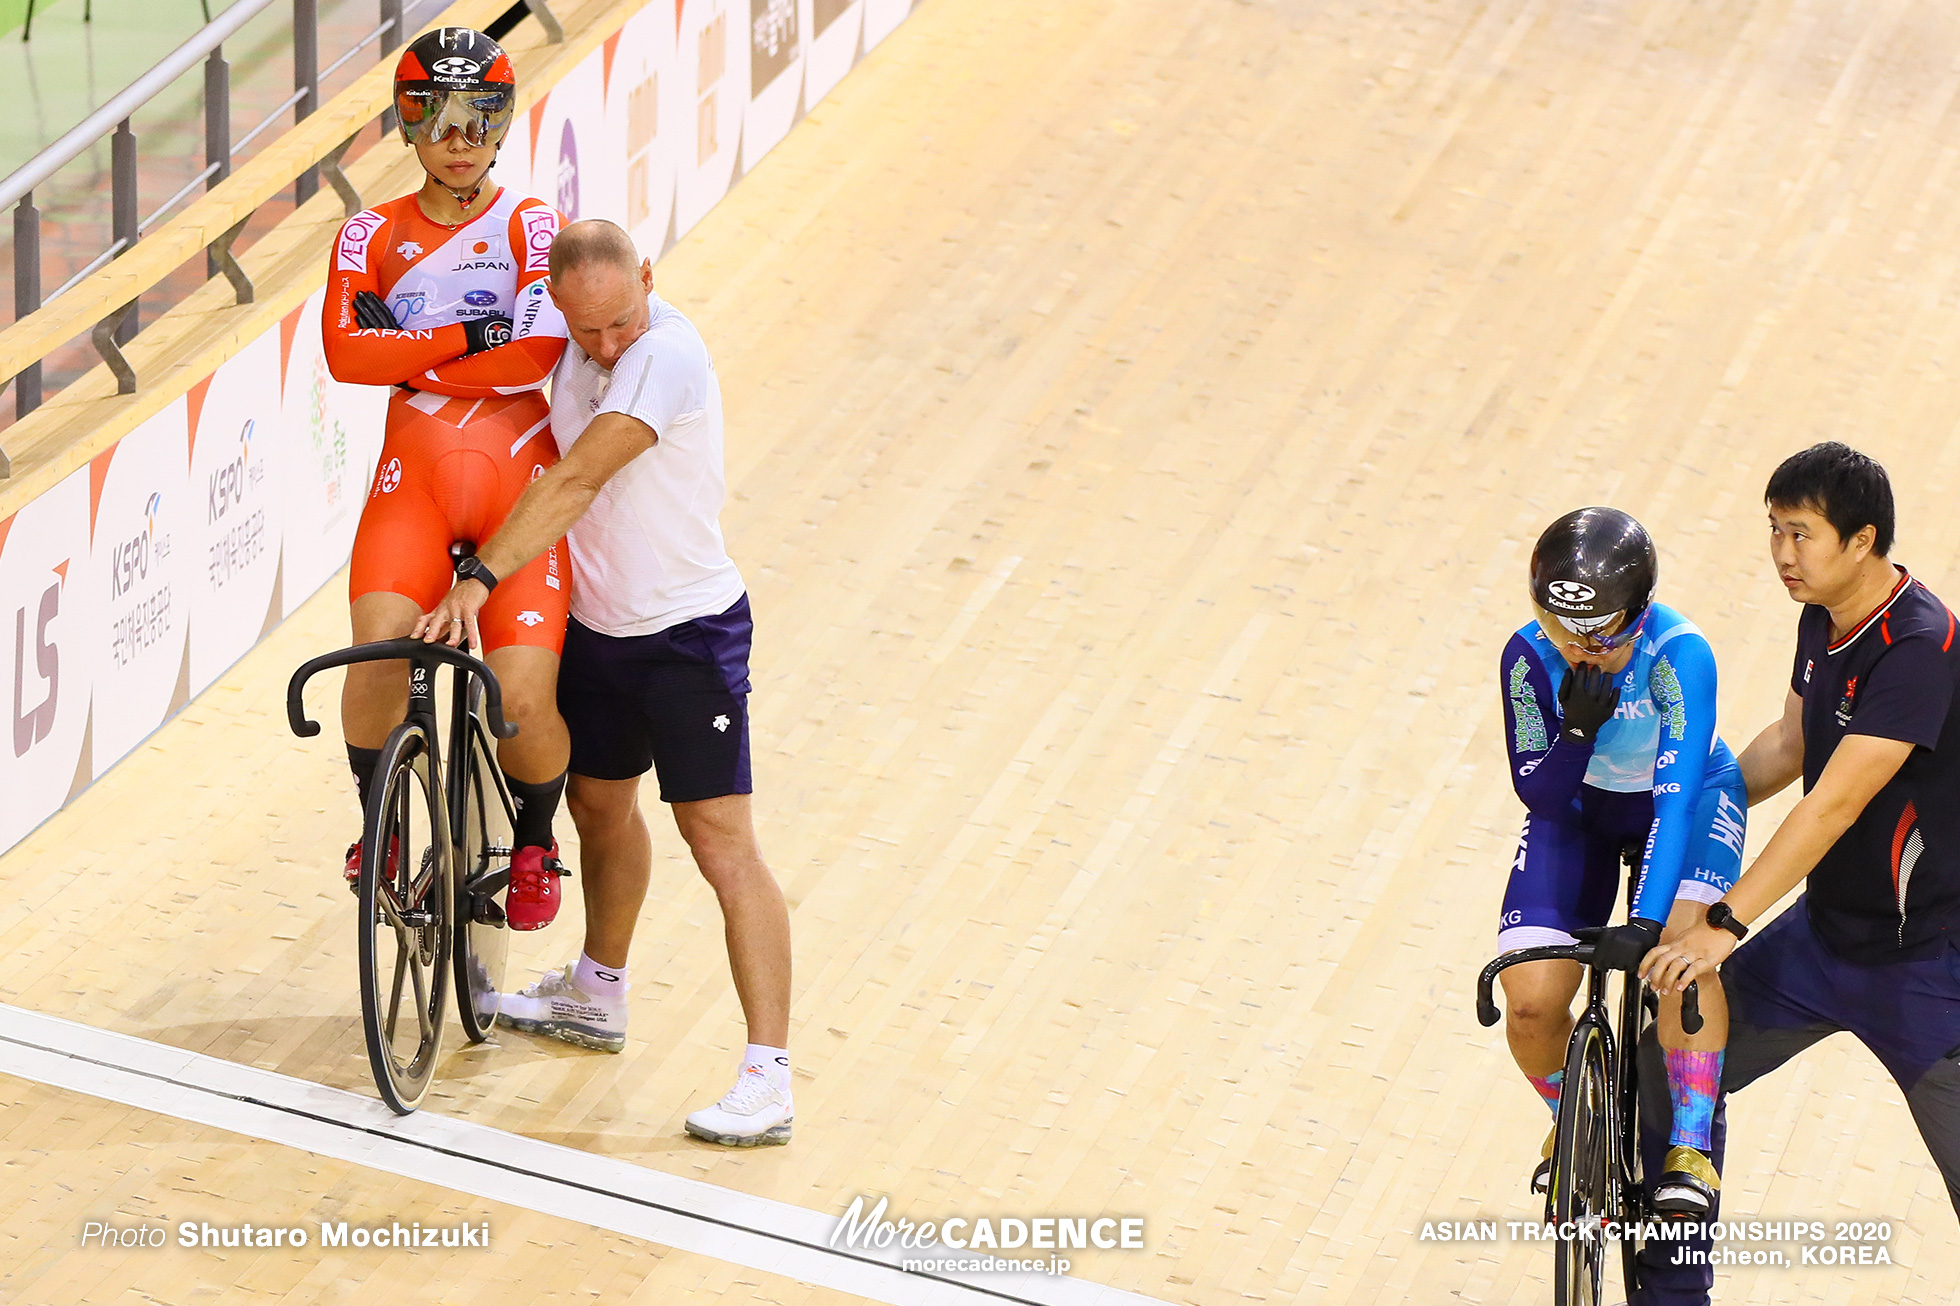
(1873, 946)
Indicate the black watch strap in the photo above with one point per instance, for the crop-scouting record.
(472, 568)
(1722, 918)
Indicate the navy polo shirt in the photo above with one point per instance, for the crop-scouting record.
(1889, 888)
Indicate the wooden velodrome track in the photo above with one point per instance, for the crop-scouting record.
(1139, 416)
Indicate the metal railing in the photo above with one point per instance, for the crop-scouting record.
(126, 228)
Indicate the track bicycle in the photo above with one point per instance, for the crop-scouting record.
(1596, 1167)
(431, 908)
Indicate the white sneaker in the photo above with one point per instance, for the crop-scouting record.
(751, 1114)
(558, 1008)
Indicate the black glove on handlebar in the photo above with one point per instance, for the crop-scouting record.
(1622, 947)
(1587, 699)
(486, 333)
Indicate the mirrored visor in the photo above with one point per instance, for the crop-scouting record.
(431, 113)
(1588, 630)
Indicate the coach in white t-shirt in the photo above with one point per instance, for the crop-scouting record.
(656, 664)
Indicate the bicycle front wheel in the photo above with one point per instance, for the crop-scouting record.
(407, 920)
(483, 853)
(1582, 1182)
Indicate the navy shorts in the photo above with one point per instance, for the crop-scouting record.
(676, 701)
(1791, 990)
(1566, 874)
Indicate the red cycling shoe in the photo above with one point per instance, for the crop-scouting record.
(353, 871)
(532, 902)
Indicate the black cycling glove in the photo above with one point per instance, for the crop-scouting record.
(1586, 700)
(371, 312)
(486, 333)
(1622, 947)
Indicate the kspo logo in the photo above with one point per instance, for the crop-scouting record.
(129, 561)
(228, 485)
(32, 725)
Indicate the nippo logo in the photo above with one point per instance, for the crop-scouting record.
(351, 253)
(1572, 593)
(455, 66)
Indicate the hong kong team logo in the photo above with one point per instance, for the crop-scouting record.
(1845, 704)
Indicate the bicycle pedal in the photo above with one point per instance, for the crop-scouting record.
(489, 884)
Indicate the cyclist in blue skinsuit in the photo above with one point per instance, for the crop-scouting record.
(1609, 715)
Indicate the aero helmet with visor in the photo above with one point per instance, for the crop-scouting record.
(454, 79)
(1593, 571)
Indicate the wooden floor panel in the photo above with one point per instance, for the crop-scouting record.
(70, 1160)
(1139, 416)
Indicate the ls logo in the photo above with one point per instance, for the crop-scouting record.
(34, 724)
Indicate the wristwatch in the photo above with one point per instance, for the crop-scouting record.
(1722, 918)
(472, 568)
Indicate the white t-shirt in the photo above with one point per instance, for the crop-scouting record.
(648, 553)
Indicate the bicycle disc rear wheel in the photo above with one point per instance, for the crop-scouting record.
(483, 874)
(407, 921)
(1582, 1185)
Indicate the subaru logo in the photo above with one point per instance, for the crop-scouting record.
(1572, 592)
(482, 298)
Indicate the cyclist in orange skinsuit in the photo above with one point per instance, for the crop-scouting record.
(441, 294)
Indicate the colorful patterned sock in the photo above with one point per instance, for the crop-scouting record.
(1548, 1086)
(1692, 1078)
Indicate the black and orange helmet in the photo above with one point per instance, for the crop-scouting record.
(455, 79)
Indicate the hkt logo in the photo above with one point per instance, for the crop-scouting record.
(390, 477)
(229, 484)
(35, 724)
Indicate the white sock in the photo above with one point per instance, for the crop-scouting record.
(600, 981)
(772, 1062)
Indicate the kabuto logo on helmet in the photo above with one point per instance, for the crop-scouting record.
(454, 66)
(1571, 593)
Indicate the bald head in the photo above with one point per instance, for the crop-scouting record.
(592, 244)
(600, 283)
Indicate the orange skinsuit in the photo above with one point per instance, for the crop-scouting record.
(465, 434)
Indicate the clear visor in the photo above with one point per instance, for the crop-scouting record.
(430, 114)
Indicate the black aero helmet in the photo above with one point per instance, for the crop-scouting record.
(454, 79)
(1591, 566)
